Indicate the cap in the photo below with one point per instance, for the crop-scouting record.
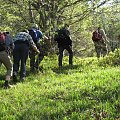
(35, 26)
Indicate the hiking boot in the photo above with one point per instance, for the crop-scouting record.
(6, 85)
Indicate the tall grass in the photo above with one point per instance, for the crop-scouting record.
(88, 90)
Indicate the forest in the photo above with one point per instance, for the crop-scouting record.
(83, 16)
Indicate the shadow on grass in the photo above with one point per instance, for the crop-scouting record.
(2, 77)
(66, 69)
(86, 101)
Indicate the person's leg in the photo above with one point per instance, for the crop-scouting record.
(69, 49)
(39, 60)
(32, 60)
(104, 49)
(16, 62)
(6, 60)
(39, 57)
(97, 49)
(60, 57)
(24, 56)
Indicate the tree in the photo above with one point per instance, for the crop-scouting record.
(16, 15)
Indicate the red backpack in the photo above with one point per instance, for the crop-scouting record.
(2, 41)
(96, 36)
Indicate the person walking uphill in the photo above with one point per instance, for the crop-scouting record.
(6, 44)
(22, 43)
(36, 35)
(100, 42)
(64, 42)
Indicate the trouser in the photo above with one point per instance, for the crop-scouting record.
(35, 59)
(100, 48)
(6, 60)
(60, 57)
(20, 54)
(32, 55)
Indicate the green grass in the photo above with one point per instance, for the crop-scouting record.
(86, 91)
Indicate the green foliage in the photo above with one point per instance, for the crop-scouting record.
(79, 92)
(82, 16)
(113, 59)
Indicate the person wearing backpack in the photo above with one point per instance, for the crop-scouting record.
(9, 43)
(64, 42)
(23, 41)
(36, 35)
(100, 42)
(6, 44)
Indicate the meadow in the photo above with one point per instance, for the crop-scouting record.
(88, 90)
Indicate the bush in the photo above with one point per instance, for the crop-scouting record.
(113, 59)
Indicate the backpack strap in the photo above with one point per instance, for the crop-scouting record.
(2, 41)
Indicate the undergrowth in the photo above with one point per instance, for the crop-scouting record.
(88, 90)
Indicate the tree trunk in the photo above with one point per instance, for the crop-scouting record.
(31, 13)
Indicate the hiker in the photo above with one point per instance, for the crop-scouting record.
(10, 42)
(6, 44)
(64, 42)
(36, 35)
(100, 42)
(22, 43)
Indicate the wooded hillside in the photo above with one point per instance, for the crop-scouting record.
(82, 16)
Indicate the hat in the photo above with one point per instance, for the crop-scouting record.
(35, 26)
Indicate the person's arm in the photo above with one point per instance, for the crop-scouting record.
(104, 35)
(33, 44)
(35, 48)
(11, 43)
(45, 37)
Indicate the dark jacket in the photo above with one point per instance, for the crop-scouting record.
(62, 37)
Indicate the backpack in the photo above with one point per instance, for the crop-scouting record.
(2, 41)
(62, 33)
(39, 34)
(33, 34)
(62, 37)
(96, 36)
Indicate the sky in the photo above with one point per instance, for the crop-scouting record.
(107, 3)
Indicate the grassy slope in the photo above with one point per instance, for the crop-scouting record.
(85, 91)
